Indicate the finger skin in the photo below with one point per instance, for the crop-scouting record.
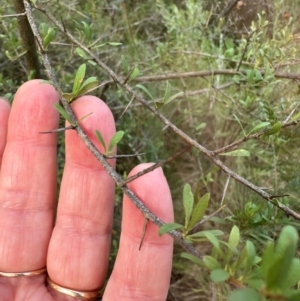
(4, 114)
(28, 179)
(79, 248)
(143, 274)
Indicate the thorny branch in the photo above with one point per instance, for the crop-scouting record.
(117, 178)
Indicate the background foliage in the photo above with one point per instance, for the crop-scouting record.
(256, 39)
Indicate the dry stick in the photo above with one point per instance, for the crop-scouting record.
(197, 92)
(204, 73)
(248, 137)
(110, 170)
(179, 132)
(245, 49)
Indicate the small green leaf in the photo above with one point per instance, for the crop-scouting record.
(79, 78)
(99, 45)
(167, 92)
(81, 53)
(86, 30)
(91, 62)
(211, 263)
(48, 38)
(293, 275)
(88, 86)
(237, 153)
(169, 227)
(188, 203)
(158, 104)
(62, 111)
(250, 75)
(192, 258)
(247, 294)
(91, 79)
(296, 117)
(258, 76)
(219, 275)
(108, 43)
(233, 241)
(47, 82)
(115, 140)
(8, 96)
(241, 260)
(202, 233)
(283, 255)
(144, 89)
(259, 126)
(69, 96)
(255, 283)
(214, 241)
(267, 259)
(173, 97)
(199, 211)
(101, 140)
(231, 250)
(274, 129)
(34, 2)
(124, 64)
(133, 74)
(114, 43)
(251, 254)
(234, 237)
(239, 122)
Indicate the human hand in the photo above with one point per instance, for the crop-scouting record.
(76, 249)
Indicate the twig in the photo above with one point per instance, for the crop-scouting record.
(197, 227)
(225, 189)
(245, 49)
(249, 137)
(13, 15)
(154, 166)
(177, 131)
(123, 156)
(204, 73)
(70, 127)
(144, 232)
(201, 91)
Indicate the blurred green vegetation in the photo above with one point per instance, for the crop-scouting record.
(168, 36)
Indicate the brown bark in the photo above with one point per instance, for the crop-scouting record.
(27, 40)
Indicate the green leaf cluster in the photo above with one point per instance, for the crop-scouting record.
(81, 87)
(108, 150)
(48, 34)
(193, 215)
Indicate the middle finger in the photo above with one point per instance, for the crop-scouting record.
(79, 247)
